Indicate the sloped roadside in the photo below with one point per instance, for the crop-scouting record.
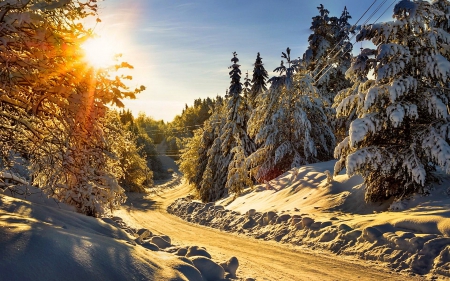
(38, 242)
(263, 260)
(303, 208)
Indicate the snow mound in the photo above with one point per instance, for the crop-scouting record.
(304, 207)
(43, 243)
(308, 188)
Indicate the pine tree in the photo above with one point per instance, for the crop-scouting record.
(246, 107)
(289, 125)
(234, 140)
(329, 53)
(328, 57)
(402, 132)
(258, 81)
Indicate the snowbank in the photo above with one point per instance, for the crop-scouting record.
(43, 243)
(39, 242)
(303, 207)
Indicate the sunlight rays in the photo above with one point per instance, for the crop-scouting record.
(100, 52)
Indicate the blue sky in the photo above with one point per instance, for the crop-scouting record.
(181, 50)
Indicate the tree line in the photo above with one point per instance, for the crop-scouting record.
(57, 129)
(383, 114)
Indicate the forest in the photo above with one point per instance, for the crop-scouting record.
(382, 112)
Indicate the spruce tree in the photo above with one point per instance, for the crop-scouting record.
(235, 141)
(289, 125)
(402, 132)
(258, 81)
(246, 107)
(328, 57)
(197, 155)
(329, 53)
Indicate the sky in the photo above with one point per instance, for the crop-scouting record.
(181, 49)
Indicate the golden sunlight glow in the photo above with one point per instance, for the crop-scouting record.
(99, 52)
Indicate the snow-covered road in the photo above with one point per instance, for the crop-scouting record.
(261, 259)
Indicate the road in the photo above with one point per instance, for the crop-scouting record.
(263, 260)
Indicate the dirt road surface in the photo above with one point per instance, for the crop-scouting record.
(263, 260)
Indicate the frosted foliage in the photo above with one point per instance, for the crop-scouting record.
(397, 112)
(438, 149)
(400, 133)
(374, 94)
(415, 168)
(362, 158)
(49, 5)
(361, 127)
(436, 66)
(238, 175)
(406, 6)
(346, 105)
(282, 150)
(393, 59)
(437, 105)
(291, 128)
(402, 86)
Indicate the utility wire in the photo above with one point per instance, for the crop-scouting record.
(353, 26)
(367, 20)
(385, 11)
(337, 53)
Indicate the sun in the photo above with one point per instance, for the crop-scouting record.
(99, 52)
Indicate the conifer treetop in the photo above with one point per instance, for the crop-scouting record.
(235, 88)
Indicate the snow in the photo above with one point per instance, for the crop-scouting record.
(38, 242)
(406, 6)
(361, 127)
(310, 192)
(384, 230)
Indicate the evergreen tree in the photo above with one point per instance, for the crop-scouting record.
(329, 53)
(258, 81)
(246, 107)
(402, 131)
(195, 157)
(225, 170)
(328, 57)
(289, 125)
(235, 141)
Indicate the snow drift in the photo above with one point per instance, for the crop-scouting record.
(43, 243)
(305, 207)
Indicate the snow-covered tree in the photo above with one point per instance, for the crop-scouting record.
(402, 132)
(235, 141)
(246, 100)
(130, 158)
(289, 124)
(53, 106)
(259, 79)
(195, 158)
(225, 169)
(329, 53)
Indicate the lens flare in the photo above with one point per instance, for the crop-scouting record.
(99, 52)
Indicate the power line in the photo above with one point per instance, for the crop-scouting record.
(353, 26)
(367, 20)
(385, 11)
